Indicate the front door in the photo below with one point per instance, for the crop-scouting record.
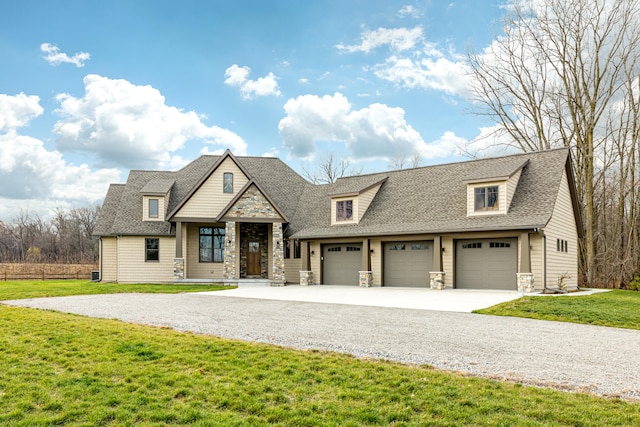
(253, 259)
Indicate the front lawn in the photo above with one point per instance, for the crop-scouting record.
(620, 309)
(19, 289)
(61, 369)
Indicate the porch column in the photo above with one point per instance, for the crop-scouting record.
(278, 254)
(178, 261)
(436, 277)
(365, 278)
(525, 280)
(229, 270)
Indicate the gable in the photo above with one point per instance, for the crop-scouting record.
(209, 199)
(252, 204)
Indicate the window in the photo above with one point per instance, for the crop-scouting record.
(499, 245)
(211, 244)
(296, 248)
(152, 249)
(397, 247)
(287, 249)
(344, 210)
(338, 249)
(353, 249)
(227, 182)
(419, 247)
(562, 245)
(153, 208)
(472, 246)
(486, 198)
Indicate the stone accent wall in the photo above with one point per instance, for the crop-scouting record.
(250, 232)
(436, 280)
(252, 204)
(365, 279)
(230, 251)
(278, 254)
(306, 277)
(525, 283)
(178, 268)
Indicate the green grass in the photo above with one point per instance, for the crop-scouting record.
(60, 369)
(620, 309)
(19, 289)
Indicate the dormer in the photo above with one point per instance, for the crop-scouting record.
(155, 199)
(349, 205)
(490, 191)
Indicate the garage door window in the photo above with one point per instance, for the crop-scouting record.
(476, 245)
(353, 249)
(396, 247)
(499, 245)
(338, 249)
(419, 247)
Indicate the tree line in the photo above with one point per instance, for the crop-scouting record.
(64, 239)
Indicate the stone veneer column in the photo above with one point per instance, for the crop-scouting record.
(178, 268)
(278, 255)
(436, 280)
(306, 277)
(365, 279)
(229, 271)
(525, 283)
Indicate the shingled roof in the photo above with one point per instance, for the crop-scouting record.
(429, 199)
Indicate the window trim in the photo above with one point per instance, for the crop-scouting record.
(216, 237)
(486, 198)
(148, 250)
(157, 208)
(227, 179)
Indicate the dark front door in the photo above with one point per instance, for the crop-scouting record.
(253, 259)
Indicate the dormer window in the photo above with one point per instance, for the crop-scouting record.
(486, 198)
(153, 208)
(227, 182)
(344, 210)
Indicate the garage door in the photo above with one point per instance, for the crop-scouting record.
(486, 264)
(341, 264)
(408, 263)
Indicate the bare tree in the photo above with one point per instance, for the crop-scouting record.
(557, 77)
(329, 168)
(401, 162)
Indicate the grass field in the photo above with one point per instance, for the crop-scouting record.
(19, 289)
(620, 309)
(60, 369)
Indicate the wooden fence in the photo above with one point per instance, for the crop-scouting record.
(13, 271)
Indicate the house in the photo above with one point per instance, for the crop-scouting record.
(498, 223)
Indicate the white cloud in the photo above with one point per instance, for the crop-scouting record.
(55, 57)
(377, 131)
(398, 39)
(409, 11)
(131, 126)
(17, 111)
(239, 77)
(434, 72)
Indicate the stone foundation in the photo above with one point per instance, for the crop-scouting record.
(436, 280)
(306, 278)
(365, 279)
(525, 283)
(178, 268)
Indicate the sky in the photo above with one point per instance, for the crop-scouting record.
(90, 90)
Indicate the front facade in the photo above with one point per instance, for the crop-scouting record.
(503, 223)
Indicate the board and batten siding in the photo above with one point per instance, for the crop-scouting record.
(194, 268)
(132, 265)
(109, 259)
(562, 225)
(209, 200)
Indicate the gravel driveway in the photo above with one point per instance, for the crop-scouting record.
(561, 355)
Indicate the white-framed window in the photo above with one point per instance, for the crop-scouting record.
(344, 210)
(227, 182)
(153, 208)
(486, 198)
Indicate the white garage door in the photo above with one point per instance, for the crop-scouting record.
(408, 263)
(341, 263)
(486, 264)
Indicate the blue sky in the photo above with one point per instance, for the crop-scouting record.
(90, 90)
